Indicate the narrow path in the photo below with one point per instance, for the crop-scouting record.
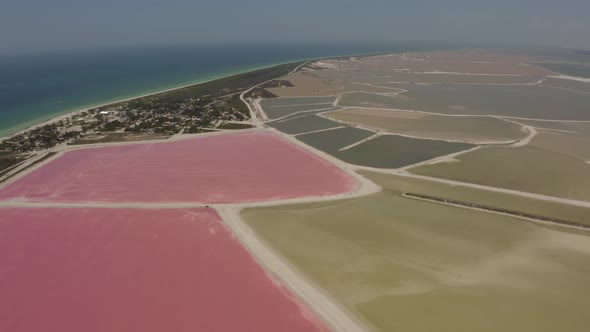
(282, 118)
(441, 159)
(292, 105)
(572, 78)
(256, 120)
(483, 187)
(360, 142)
(318, 131)
(524, 142)
(558, 130)
(313, 297)
(338, 98)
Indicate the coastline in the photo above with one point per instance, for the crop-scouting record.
(60, 115)
(56, 117)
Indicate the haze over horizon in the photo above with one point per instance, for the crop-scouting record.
(33, 25)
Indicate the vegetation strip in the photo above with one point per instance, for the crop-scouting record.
(4, 171)
(497, 210)
(47, 156)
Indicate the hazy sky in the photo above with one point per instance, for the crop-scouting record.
(48, 24)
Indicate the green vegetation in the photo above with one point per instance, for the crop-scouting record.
(409, 265)
(230, 84)
(47, 156)
(191, 109)
(262, 92)
(117, 137)
(235, 126)
(526, 169)
(40, 138)
(9, 160)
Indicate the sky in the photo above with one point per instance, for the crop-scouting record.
(55, 24)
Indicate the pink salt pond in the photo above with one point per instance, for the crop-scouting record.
(122, 270)
(229, 168)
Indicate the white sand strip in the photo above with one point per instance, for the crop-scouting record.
(360, 142)
(572, 78)
(319, 131)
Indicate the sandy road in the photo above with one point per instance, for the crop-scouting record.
(256, 122)
(442, 159)
(370, 138)
(255, 117)
(334, 315)
(525, 141)
(318, 131)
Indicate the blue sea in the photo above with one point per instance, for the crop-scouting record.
(37, 87)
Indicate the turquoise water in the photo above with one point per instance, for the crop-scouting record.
(34, 88)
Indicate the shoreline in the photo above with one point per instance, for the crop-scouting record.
(56, 117)
(68, 113)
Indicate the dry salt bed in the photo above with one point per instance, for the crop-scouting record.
(516, 101)
(404, 264)
(462, 62)
(527, 169)
(421, 125)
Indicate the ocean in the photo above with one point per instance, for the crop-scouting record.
(37, 87)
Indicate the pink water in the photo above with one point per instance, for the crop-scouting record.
(124, 270)
(241, 167)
